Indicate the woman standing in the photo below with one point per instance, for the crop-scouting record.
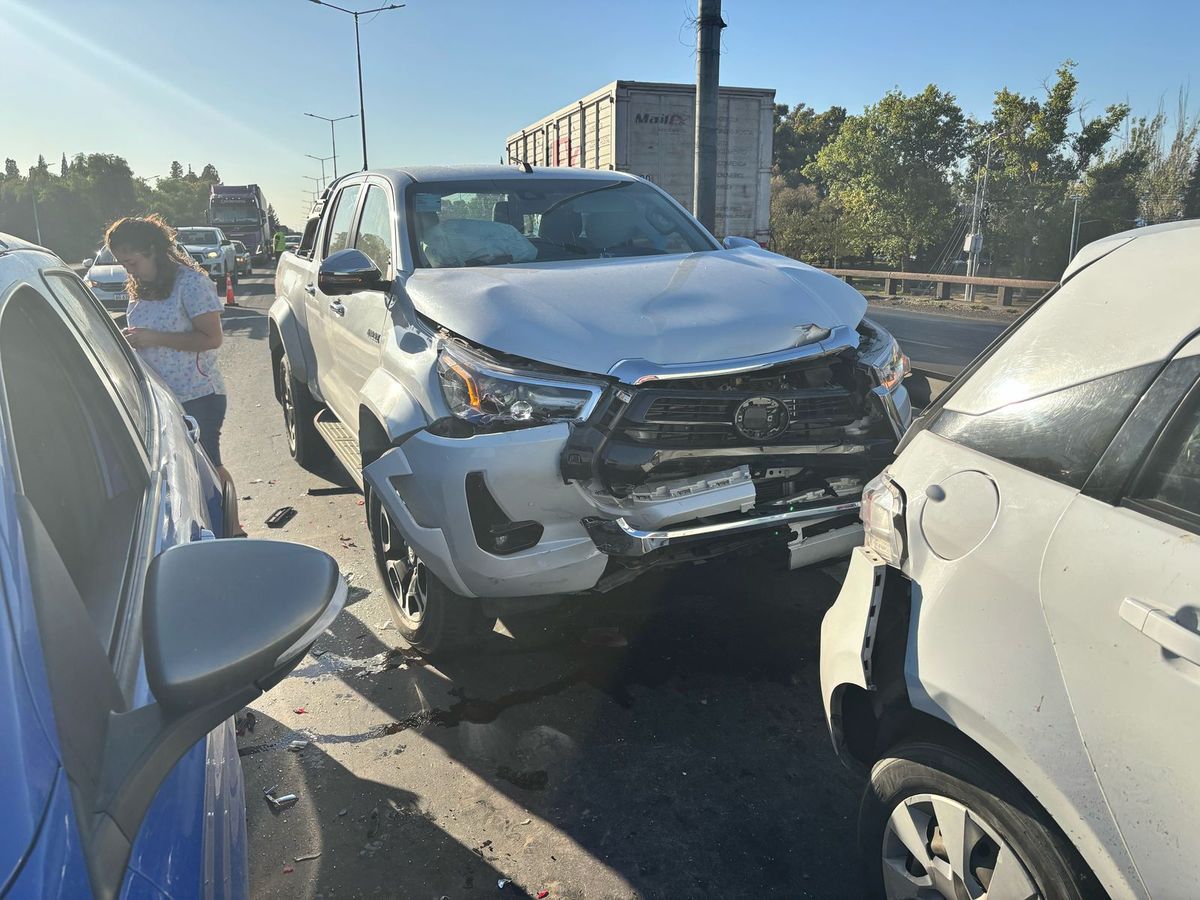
(174, 323)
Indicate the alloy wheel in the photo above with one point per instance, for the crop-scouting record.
(935, 847)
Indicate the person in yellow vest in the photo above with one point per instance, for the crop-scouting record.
(280, 243)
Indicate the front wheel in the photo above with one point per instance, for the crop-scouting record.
(430, 616)
(938, 822)
(300, 410)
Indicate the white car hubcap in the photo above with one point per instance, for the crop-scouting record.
(936, 847)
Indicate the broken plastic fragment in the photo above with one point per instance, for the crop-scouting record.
(307, 856)
(502, 883)
(297, 746)
(288, 870)
(542, 895)
(299, 710)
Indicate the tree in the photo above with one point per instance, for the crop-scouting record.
(800, 133)
(176, 169)
(10, 168)
(191, 175)
(889, 169)
(1163, 183)
(63, 168)
(209, 174)
(272, 219)
(1191, 196)
(1037, 162)
(42, 168)
(809, 227)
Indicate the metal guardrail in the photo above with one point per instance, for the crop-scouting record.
(1005, 293)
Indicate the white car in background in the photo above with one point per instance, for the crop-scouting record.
(106, 278)
(1015, 653)
(211, 249)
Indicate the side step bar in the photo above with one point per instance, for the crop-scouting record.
(619, 538)
(342, 441)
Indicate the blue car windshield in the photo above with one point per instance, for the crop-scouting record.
(505, 221)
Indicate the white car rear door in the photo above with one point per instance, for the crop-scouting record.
(1121, 590)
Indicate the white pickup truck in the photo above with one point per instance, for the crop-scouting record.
(550, 381)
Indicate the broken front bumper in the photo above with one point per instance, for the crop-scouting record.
(469, 507)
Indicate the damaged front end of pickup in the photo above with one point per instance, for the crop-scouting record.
(688, 463)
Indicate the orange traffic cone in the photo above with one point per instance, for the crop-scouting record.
(229, 301)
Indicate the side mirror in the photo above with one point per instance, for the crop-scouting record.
(226, 243)
(347, 272)
(222, 622)
(87, 263)
(733, 242)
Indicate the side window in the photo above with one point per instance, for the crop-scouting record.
(1060, 435)
(375, 229)
(108, 346)
(1170, 482)
(339, 228)
(78, 463)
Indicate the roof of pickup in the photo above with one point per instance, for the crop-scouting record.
(474, 173)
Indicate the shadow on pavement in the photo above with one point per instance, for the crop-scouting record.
(692, 762)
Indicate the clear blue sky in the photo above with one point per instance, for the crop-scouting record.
(446, 80)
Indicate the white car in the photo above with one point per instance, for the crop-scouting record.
(107, 279)
(211, 249)
(1015, 652)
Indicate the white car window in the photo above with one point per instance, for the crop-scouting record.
(339, 228)
(1170, 482)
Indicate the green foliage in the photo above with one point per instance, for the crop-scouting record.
(92, 191)
(889, 169)
(805, 225)
(800, 133)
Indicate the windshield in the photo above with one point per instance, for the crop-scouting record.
(104, 257)
(234, 214)
(197, 236)
(498, 222)
(239, 246)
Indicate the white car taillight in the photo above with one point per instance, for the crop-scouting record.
(883, 518)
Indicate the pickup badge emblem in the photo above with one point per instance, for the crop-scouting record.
(374, 335)
(761, 418)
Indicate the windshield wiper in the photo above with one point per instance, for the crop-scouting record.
(570, 197)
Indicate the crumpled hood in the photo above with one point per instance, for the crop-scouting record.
(590, 315)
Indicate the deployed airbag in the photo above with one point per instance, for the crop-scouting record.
(459, 242)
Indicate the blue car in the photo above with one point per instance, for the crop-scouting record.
(130, 632)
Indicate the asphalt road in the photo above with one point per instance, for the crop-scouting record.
(931, 339)
(692, 762)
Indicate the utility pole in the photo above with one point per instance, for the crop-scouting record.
(708, 81)
(332, 136)
(1074, 227)
(974, 241)
(362, 113)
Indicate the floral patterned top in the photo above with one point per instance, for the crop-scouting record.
(188, 375)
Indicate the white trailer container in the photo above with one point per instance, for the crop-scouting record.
(649, 129)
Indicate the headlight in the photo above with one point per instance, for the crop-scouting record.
(483, 392)
(895, 369)
(883, 518)
(212, 254)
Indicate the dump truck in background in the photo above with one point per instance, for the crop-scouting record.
(649, 129)
(240, 210)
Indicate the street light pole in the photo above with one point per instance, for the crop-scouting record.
(321, 160)
(332, 136)
(362, 112)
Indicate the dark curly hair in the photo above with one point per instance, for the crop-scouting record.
(150, 234)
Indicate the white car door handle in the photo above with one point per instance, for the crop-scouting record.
(337, 308)
(1162, 629)
(310, 289)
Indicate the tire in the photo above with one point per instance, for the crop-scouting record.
(917, 787)
(428, 615)
(305, 443)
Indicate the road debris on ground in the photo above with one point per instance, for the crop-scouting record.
(245, 724)
(297, 746)
(281, 517)
(307, 856)
(279, 804)
(300, 710)
(502, 883)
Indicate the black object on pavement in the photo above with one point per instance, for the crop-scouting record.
(281, 516)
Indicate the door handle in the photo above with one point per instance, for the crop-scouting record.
(1162, 629)
(337, 308)
(310, 289)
